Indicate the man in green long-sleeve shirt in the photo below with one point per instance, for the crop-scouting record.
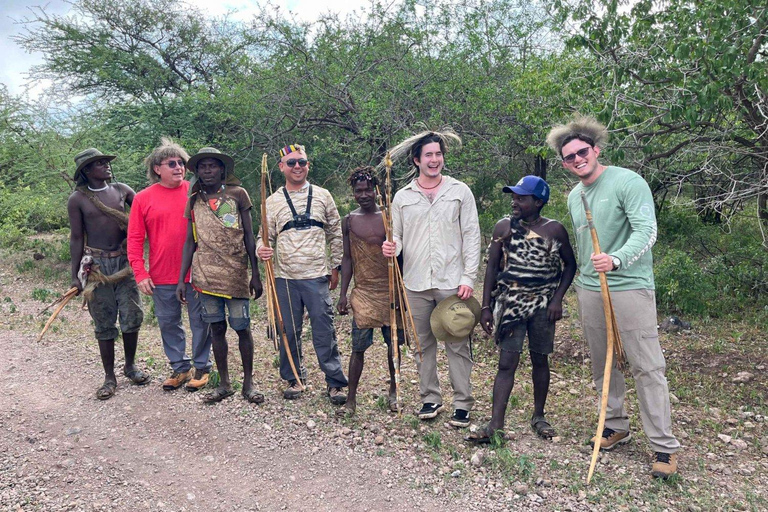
(624, 217)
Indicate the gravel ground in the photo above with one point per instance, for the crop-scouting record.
(146, 449)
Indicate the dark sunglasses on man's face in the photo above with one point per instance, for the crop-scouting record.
(292, 162)
(582, 153)
(174, 163)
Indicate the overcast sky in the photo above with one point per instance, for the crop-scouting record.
(16, 62)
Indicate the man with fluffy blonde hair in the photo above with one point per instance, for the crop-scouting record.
(157, 215)
(625, 220)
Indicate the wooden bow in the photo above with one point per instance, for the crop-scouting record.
(274, 316)
(613, 340)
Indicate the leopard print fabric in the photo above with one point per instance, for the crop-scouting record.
(529, 274)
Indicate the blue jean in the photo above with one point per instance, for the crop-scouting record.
(168, 313)
(294, 295)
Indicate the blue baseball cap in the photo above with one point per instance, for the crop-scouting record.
(530, 186)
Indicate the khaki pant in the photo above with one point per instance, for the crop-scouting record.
(636, 316)
(459, 358)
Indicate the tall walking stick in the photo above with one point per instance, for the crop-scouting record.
(395, 343)
(274, 316)
(613, 340)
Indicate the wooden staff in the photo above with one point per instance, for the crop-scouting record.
(392, 291)
(409, 326)
(613, 340)
(63, 300)
(274, 316)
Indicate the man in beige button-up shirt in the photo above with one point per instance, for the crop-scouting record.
(304, 272)
(436, 227)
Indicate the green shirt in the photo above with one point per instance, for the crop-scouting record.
(625, 219)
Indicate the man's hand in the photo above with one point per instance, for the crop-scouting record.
(486, 321)
(333, 282)
(341, 306)
(265, 253)
(389, 249)
(181, 292)
(464, 292)
(77, 284)
(602, 262)
(555, 310)
(255, 286)
(146, 286)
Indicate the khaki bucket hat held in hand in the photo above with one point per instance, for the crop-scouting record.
(454, 319)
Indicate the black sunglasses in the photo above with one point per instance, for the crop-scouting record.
(174, 163)
(582, 153)
(292, 162)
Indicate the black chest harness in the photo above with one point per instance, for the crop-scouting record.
(303, 221)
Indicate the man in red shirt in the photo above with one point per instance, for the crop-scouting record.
(157, 214)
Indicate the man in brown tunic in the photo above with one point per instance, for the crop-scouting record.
(363, 234)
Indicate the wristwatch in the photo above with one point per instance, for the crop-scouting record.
(616, 263)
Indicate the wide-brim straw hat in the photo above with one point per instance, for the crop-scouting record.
(454, 319)
(210, 152)
(85, 157)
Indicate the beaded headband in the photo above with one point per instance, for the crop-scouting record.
(290, 148)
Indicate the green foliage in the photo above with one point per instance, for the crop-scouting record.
(703, 271)
(680, 287)
(42, 294)
(514, 466)
(433, 440)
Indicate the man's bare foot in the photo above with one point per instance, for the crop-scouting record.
(348, 410)
(392, 400)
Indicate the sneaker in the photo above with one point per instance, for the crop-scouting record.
(429, 411)
(460, 418)
(337, 396)
(664, 465)
(611, 439)
(293, 391)
(199, 381)
(176, 380)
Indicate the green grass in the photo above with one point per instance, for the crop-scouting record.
(433, 440)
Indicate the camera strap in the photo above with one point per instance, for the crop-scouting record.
(307, 214)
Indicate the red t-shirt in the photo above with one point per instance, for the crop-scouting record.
(157, 214)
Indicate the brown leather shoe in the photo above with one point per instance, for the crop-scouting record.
(199, 381)
(611, 439)
(664, 465)
(337, 396)
(293, 391)
(176, 380)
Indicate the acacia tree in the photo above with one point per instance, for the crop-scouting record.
(686, 85)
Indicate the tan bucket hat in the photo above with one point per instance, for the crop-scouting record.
(453, 319)
(84, 158)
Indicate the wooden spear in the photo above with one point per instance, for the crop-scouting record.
(274, 316)
(613, 340)
(63, 300)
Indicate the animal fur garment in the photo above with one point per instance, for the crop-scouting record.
(96, 278)
(119, 216)
(403, 150)
(528, 277)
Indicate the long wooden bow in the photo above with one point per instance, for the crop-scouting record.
(274, 316)
(613, 340)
